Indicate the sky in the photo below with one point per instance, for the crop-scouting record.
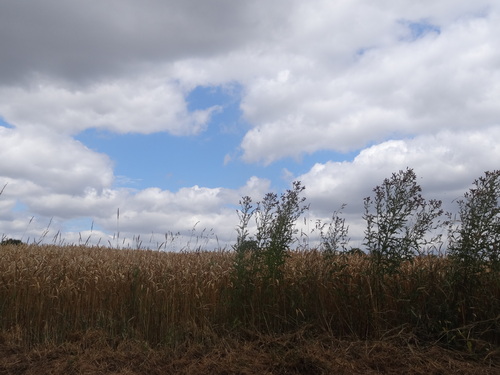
(142, 124)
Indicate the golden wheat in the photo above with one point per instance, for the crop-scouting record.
(48, 293)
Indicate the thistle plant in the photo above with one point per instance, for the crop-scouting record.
(402, 220)
(276, 230)
(259, 261)
(245, 266)
(245, 214)
(334, 235)
(475, 243)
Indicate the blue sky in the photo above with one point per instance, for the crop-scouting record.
(169, 161)
(171, 112)
(210, 159)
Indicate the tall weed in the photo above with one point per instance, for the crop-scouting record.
(334, 235)
(399, 221)
(474, 248)
(476, 242)
(260, 261)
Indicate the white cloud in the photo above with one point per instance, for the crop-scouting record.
(141, 212)
(321, 75)
(45, 162)
(445, 163)
(404, 83)
(448, 80)
(144, 105)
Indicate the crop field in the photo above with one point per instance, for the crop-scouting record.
(135, 311)
(400, 305)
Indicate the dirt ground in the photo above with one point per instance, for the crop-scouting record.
(94, 353)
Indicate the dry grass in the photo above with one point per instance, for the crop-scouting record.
(295, 353)
(179, 313)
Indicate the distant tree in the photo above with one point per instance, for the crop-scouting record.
(11, 241)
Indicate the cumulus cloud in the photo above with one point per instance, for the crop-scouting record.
(129, 212)
(46, 162)
(84, 42)
(440, 80)
(446, 164)
(144, 105)
(72, 67)
(401, 83)
(342, 74)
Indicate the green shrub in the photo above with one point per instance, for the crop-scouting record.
(474, 247)
(276, 230)
(402, 220)
(275, 219)
(334, 235)
(260, 260)
(11, 241)
(476, 241)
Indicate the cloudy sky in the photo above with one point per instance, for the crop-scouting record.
(171, 111)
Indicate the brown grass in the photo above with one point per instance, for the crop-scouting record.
(94, 352)
(95, 310)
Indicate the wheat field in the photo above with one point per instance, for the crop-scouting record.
(48, 293)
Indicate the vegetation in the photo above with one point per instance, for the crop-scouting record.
(475, 243)
(300, 306)
(334, 235)
(402, 221)
(11, 241)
